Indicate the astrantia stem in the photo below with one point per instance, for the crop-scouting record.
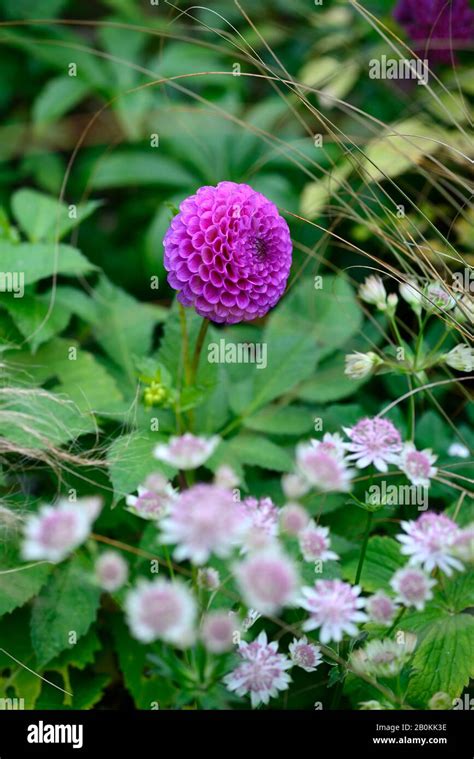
(363, 550)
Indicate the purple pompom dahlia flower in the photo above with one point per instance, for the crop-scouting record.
(228, 253)
(437, 27)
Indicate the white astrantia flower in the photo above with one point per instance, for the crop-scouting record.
(334, 607)
(411, 294)
(360, 365)
(429, 541)
(262, 672)
(323, 469)
(268, 580)
(111, 571)
(460, 358)
(55, 531)
(294, 486)
(374, 441)
(373, 291)
(463, 546)
(383, 658)
(305, 655)
(225, 477)
(437, 298)
(418, 465)
(458, 450)
(154, 498)
(186, 451)
(332, 443)
(162, 610)
(412, 587)
(314, 542)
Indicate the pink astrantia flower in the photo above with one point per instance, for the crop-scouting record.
(304, 654)
(218, 631)
(417, 465)
(203, 520)
(293, 518)
(225, 477)
(268, 580)
(381, 608)
(228, 253)
(332, 443)
(334, 606)
(187, 451)
(413, 587)
(162, 610)
(111, 571)
(429, 542)
(153, 499)
(294, 486)
(262, 672)
(323, 470)
(463, 545)
(55, 531)
(374, 441)
(262, 521)
(315, 543)
(208, 578)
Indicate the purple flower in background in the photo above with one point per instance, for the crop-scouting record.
(228, 253)
(437, 27)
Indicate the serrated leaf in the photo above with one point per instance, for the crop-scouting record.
(130, 460)
(382, 560)
(287, 420)
(20, 582)
(68, 603)
(37, 318)
(444, 660)
(37, 261)
(254, 450)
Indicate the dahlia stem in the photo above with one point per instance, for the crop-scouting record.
(363, 550)
(197, 350)
(185, 344)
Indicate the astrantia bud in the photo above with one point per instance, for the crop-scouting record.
(208, 578)
(440, 701)
(360, 365)
(437, 298)
(411, 294)
(461, 358)
(111, 571)
(383, 658)
(373, 291)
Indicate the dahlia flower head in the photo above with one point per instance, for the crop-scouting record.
(437, 28)
(228, 253)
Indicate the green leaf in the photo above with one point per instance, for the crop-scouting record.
(130, 460)
(402, 147)
(329, 315)
(57, 97)
(254, 450)
(290, 359)
(444, 660)
(122, 325)
(68, 603)
(330, 383)
(87, 689)
(43, 218)
(286, 420)
(382, 560)
(34, 319)
(20, 582)
(130, 168)
(37, 261)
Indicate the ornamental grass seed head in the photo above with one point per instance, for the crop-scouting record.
(228, 253)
